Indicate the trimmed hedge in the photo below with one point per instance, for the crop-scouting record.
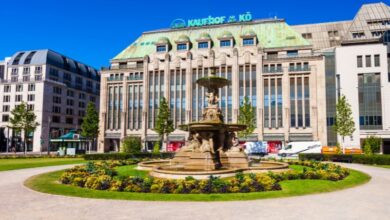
(125, 156)
(355, 158)
(22, 156)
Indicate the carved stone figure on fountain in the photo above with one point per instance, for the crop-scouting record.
(192, 144)
(207, 143)
(235, 147)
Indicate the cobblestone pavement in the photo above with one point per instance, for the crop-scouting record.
(369, 201)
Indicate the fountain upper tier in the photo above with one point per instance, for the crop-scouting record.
(213, 82)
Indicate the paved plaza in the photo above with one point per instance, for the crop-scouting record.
(369, 201)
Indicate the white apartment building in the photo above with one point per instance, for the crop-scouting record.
(55, 87)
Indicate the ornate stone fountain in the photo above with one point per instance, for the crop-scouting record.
(212, 144)
(212, 147)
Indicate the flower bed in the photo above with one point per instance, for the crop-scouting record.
(102, 176)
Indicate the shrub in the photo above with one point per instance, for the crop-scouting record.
(102, 176)
(131, 145)
(367, 148)
(125, 156)
(374, 143)
(377, 159)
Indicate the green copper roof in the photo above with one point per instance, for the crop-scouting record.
(276, 34)
(163, 40)
(183, 38)
(204, 36)
(226, 34)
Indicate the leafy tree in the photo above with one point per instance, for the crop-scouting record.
(90, 125)
(344, 123)
(367, 148)
(23, 120)
(247, 116)
(156, 148)
(164, 124)
(131, 144)
(374, 142)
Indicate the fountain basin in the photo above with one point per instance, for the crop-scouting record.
(165, 169)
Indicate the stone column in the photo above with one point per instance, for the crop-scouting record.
(235, 86)
(188, 87)
(259, 95)
(286, 103)
(102, 115)
(145, 99)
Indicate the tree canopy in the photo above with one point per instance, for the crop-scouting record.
(247, 116)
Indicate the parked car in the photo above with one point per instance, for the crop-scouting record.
(295, 148)
(255, 148)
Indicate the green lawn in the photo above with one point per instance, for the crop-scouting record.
(48, 183)
(130, 170)
(15, 164)
(383, 166)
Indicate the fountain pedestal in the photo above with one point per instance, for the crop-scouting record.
(236, 160)
(200, 161)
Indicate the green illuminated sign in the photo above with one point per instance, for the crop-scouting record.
(180, 23)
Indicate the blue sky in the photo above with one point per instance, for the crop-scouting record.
(93, 32)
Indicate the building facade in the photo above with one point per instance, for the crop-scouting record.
(55, 87)
(266, 60)
(293, 76)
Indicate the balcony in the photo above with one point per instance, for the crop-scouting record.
(299, 69)
(115, 78)
(272, 70)
(135, 78)
(293, 56)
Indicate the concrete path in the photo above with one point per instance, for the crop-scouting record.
(369, 201)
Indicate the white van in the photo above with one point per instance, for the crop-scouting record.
(256, 148)
(295, 148)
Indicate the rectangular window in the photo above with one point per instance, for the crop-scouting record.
(377, 60)
(26, 70)
(161, 48)
(14, 71)
(69, 111)
(307, 35)
(70, 93)
(30, 97)
(81, 104)
(31, 87)
(359, 61)
(368, 60)
(6, 98)
(69, 120)
(82, 96)
(56, 109)
(5, 108)
(203, 45)
(38, 70)
(370, 101)
(69, 102)
(19, 88)
(248, 41)
(292, 53)
(30, 107)
(225, 43)
(5, 118)
(18, 98)
(7, 88)
(358, 35)
(57, 99)
(57, 90)
(56, 119)
(181, 47)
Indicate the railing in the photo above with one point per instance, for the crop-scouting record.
(270, 70)
(299, 69)
(290, 56)
(134, 78)
(25, 79)
(115, 78)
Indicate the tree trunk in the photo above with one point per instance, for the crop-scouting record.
(342, 145)
(25, 143)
